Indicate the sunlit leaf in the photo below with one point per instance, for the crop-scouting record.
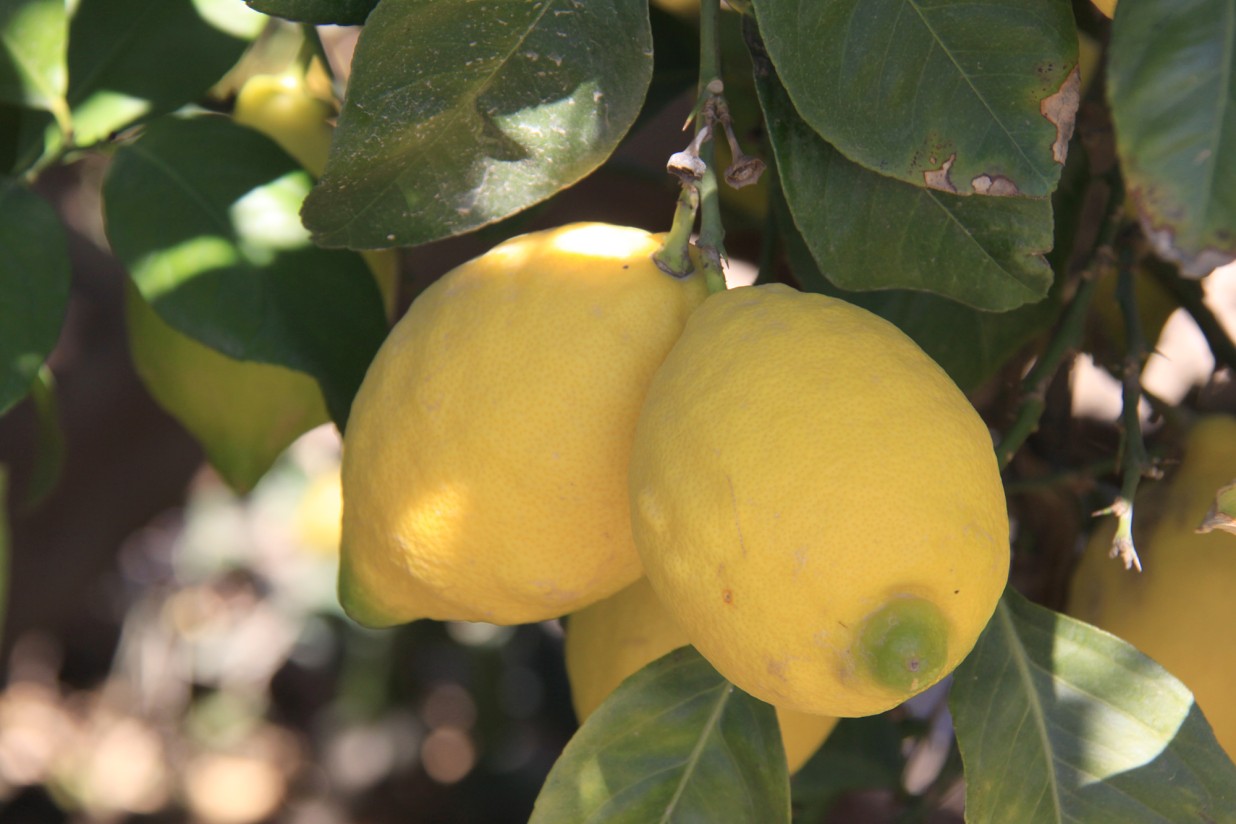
(204, 213)
(675, 742)
(1059, 721)
(1172, 86)
(34, 287)
(132, 59)
(867, 231)
(459, 114)
(961, 97)
(32, 53)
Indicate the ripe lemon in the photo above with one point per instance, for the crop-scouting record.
(816, 503)
(484, 466)
(1179, 608)
(612, 639)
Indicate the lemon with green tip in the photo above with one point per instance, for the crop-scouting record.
(816, 503)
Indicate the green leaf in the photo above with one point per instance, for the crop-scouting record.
(32, 53)
(960, 97)
(132, 59)
(860, 754)
(1059, 721)
(867, 231)
(34, 287)
(969, 344)
(1172, 87)
(455, 119)
(675, 742)
(204, 213)
(318, 12)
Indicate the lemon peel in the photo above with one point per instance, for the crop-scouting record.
(485, 459)
(800, 465)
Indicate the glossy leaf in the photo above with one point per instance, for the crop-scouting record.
(318, 12)
(969, 344)
(32, 53)
(203, 212)
(961, 97)
(675, 742)
(132, 59)
(1172, 87)
(488, 109)
(34, 287)
(1059, 721)
(867, 231)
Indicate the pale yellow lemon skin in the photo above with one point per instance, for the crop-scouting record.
(799, 464)
(244, 414)
(484, 468)
(1179, 610)
(613, 639)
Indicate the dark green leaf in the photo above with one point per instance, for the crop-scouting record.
(959, 97)
(860, 754)
(318, 12)
(1172, 86)
(675, 742)
(34, 287)
(969, 344)
(32, 53)
(204, 213)
(867, 231)
(459, 114)
(1058, 721)
(133, 59)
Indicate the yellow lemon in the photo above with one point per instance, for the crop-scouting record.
(816, 503)
(612, 639)
(1108, 7)
(319, 513)
(1179, 609)
(281, 107)
(243, 413)
(484, 466)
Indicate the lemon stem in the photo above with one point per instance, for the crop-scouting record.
(711, 242)
(673, 257)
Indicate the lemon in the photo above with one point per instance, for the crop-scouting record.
(1180, 607)
(319, 513)
(1108, 7)
(484, 466)
(614, 638)
(816, 503)
(243, 413)
(282, 107)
